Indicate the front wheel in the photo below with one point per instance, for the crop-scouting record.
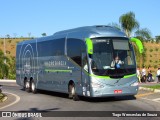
(72, 92)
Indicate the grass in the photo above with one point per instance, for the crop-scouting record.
(1, 97)
(153, 86)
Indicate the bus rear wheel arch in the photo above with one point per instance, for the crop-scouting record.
(72, 91)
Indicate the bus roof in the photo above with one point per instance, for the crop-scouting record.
(97, 30)
(86, 32)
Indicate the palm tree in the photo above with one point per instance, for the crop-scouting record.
(4, 69)
(144, 34)
(157, 39)
(128, 23)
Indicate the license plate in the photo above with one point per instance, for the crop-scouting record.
(117, 91)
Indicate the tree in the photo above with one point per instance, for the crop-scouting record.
(12, 66)
(128, 23)
(144, 33)
(4, 69)
(8, 36)
(157, 39)
(44, 34)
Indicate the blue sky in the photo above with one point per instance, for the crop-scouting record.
(49, 16)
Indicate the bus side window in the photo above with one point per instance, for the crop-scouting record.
(84, 62)
(74, 50)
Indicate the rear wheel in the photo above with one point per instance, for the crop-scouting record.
(72, 92)
(33, 87)
(27, 86)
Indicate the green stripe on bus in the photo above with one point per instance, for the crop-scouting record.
(126, 76)
(98, 76)
(49, 70)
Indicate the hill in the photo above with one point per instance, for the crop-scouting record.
(10, 45)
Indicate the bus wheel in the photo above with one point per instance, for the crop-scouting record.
(72, 92)
(69, 91)
(27, 87)
(33, 87)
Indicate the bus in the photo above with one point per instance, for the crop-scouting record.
(78, 62)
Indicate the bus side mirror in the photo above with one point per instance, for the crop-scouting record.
(138, 43)
(89, 44)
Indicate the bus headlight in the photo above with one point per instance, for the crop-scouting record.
(96, 85)
(134, 84)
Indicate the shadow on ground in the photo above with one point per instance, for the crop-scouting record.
(88, 99)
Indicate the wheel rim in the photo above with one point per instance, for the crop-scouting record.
(73, 90)
(27, 84)
(33, 86)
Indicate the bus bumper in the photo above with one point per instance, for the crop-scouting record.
(114, 91)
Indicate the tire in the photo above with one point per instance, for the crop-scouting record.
(72, 92)
(33, 87)
(69, 91)
(27, 86)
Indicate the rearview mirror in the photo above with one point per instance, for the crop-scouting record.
(89, 44)
(138, 43)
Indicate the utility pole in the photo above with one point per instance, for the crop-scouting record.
(4, 43)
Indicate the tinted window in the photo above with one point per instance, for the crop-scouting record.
(120, 44)
(74, 49)
(51, 47)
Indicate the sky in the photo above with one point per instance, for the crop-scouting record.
(23, 17)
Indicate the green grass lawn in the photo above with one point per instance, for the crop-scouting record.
(153, 87)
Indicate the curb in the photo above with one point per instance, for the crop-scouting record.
(7, 80)
(150, 89)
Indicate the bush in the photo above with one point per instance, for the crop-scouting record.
(9, 41)
(8, 52)
(151, 50)
(145, 49)
(12, 76)
(155, 66)
(156, 49)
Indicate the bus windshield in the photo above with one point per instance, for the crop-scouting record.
(112, 57)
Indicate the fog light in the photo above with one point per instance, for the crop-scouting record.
(96, 85)
(134, 84)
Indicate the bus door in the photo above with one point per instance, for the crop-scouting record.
(74, 61)
(85, 75)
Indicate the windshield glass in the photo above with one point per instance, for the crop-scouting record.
(112, 57)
